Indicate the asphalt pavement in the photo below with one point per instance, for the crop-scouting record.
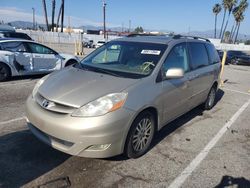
(199, 149)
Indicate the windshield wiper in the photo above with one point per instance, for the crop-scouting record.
(105, 71)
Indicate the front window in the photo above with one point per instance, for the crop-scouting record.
(39, 49)
(127, 59)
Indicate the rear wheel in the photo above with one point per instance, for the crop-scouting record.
(210, 101)
(4, 72)
(140, 135)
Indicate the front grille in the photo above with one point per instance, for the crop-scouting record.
(53, 106)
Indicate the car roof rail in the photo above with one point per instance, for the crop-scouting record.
(190, 37)
(143, 35)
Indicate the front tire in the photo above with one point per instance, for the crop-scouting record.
(210, 101)
(4, 72)
(140, 135)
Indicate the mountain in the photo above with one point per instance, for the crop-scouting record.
(206, 34)
(24, 25)
(210, 34)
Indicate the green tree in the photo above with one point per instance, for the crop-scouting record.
(239, 17)
(229, 4)
(216, 10)
(138, 30)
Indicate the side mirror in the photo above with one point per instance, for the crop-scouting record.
(174, 73)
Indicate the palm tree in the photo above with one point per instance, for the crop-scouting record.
(53, 14)
(230, 4)
(45, 14)
(225, 7)
(235, 14)
(216, 10)
(239, 17)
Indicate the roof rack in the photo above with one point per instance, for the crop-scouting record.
(191, 37)
(143, 34)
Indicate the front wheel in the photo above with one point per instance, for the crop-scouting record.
(4, 72)
(140, 135)
(210, 101)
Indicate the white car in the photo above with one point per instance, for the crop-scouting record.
(25, 57)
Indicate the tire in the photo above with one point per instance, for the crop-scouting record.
(210, 101)
(70, 62)
(140, 135)
(4, 72)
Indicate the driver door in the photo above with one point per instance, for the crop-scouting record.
(44, 59)
(176, 92)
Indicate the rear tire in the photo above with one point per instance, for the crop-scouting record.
(4, 72)
(140, 135)
(210, 101)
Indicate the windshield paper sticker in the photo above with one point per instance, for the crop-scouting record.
(151, 52)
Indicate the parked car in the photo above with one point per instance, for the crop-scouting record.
(100, 43)
(88, 43)
(119, 96)
(238, 58)
(15, 35)
(24, 57)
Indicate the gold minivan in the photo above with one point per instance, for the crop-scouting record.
(120, 95)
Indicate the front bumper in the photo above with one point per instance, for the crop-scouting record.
(80, 136)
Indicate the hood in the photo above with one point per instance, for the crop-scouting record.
(76, 87)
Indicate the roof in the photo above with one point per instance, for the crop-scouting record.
(147, 39)
(2, 40)
(160, 39)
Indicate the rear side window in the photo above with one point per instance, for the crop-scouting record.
(213, 54)
(198, 55)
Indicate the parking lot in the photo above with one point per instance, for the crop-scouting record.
(199, 149)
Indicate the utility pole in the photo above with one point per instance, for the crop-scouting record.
(58, 18)
(34, 26)
(45, 14)
(53, 14)
(129, 26)
(104, 19)
(62, 16)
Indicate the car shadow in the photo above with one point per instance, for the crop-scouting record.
(23, 158)
(174, 125)
(228, 181)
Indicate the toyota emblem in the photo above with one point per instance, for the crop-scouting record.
(45, 103)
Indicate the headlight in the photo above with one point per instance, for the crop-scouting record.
(38, 84)
(101, 106)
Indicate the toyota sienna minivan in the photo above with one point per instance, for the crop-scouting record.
(120, 95)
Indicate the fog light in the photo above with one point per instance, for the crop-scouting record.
(100, 147)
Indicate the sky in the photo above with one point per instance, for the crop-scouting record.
(171, 15)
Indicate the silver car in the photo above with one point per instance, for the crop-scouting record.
(24, 57)
(119, 96)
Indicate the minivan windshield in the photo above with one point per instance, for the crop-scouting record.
(125, 59)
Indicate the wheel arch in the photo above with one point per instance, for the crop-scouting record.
(9, 67)
(69, 62)
(151, 109)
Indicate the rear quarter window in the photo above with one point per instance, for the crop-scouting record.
(213, 54)
(198, 55)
